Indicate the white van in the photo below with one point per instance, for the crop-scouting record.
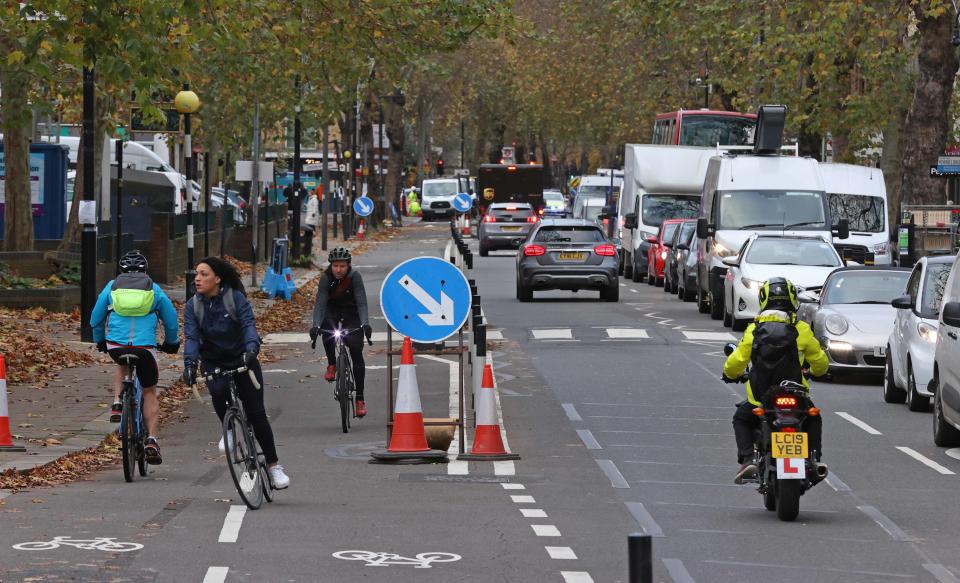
(859, 194)
(660, 182)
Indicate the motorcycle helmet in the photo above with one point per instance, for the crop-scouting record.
(778, 293)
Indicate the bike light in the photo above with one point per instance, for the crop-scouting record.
(788, 429)
(489, 219)
(836, 324)
(534, 250)
(813, 411)
(605, 250)
(927, 332)
(758, 411)
(786, 402)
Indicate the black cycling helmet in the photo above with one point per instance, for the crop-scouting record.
(778, 293)
(340, 254)
(133, 262)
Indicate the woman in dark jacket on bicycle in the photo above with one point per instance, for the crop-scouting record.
(225, 335)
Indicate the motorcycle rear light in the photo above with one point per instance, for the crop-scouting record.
(788, 429)
(786, 402)
(813, 411)
(605, 250)
(532, 218)
(489, 219)
(534, 250)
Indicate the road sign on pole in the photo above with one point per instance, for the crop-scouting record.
(426, 298)
(463, 202)
(363, 206)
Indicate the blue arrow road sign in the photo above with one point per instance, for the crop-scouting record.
(426, 298)
(462, 202)
(363, 206)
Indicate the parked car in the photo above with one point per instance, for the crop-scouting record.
(911, 345)
(671, 269)
(946, 366)
(806, 261)
(234, 200)
(657, 252)
(555, 205)
(568, 254)
(437, 198)
(853, 317)
(505, 226)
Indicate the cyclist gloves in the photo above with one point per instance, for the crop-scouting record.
(249, 358)
(170, 347)
(190, 374)
(729, 380)
(102, 346)
(314, 332)
(367, 331)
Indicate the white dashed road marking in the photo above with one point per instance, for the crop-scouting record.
(942, 574)
(216, 575)
(576, 577)
(545, 530)
(571, 412)
(561, 553)
(232, 523)
(495, 335)
(523, 499)
(643, 518)
(895, 532)
(610, 469)
(858, 423)
(926, 461)
(508, 486)
(588, 439)
(533, 513)
(627, 333)
(691, 335)
(553, 334)
(504, 468)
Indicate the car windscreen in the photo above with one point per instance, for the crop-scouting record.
(792, 252)
(668, 230)
(865, 287)
(934, 284)
(440, 188)
(772, 209)
(864, 213)
(687, 230)
(569, 234)
(656, 208)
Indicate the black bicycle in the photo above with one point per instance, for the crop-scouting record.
(344, 387)
(248, 468)
(132, 429)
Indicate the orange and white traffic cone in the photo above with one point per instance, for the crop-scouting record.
(466, 225)
(487, 440)
(361, 231)
(408, 440)
(6, 439)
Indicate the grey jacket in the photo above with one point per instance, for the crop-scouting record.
(351, 303)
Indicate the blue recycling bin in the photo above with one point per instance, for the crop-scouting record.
(278, 280)
(48, 185)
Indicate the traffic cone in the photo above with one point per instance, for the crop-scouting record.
(361, 231)
(6, 439)
(408, 440)
(487, 441)
(466, 225)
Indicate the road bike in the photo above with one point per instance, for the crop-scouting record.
(132, 429)
(246, 462)
(344, 387)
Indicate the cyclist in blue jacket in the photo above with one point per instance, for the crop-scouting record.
(124, 321)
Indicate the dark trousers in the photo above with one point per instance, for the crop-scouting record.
(354, 343)
(252, 399)
(746, 425)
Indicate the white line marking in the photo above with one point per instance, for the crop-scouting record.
(926, 461)
(216, 575)
(523, 499)
(553, 334)
(509, 486)
(576, 577)
(858, 423)
(232, 523)
(533, 513)
(691, 335)
(571, 412)
(545, 530)
(495, 335)
(588, 439)
(895, 532)
(677, 571)
(942, 574)
(610, 469)
(836, 483)
(634, 291)
(623, 285)
(457, 467)
(954, 453)
(504, 468)
(627, 333)
(643, 518)
(808, 568)
(561, 553)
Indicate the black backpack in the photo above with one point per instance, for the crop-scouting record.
(228, 303)
(774, 357)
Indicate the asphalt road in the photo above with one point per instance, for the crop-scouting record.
(622, 425)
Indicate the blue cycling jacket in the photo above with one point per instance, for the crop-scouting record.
(219, 340)
(135, 330)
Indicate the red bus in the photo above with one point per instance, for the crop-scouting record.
(704, 127)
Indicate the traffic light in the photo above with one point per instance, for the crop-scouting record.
(439, 166)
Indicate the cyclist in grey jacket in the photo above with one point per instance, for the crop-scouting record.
(342, 304)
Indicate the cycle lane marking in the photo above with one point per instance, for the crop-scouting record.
(858, 423)
(232, 523)
(216, 575)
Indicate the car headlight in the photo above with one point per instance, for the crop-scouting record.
(644, 235)
(722, 250)
(880, 249)
(751, 283)
(927, 332)
(836, 324)
(663, 255)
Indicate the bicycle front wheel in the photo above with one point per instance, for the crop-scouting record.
(128, 435)
(242, 460)
(343, 390)
(141, 446)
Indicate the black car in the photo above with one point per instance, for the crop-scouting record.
(569, 254)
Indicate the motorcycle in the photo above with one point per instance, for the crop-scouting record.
(786, 467)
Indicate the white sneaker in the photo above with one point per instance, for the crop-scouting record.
(220, 445)
(280, 480)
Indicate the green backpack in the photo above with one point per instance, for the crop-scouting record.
(132, 295)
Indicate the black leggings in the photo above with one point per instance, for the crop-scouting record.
(252, 399)
(354, 344)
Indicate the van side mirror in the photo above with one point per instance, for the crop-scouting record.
(705, 229)
(951, 314)
(842, 229)
(630, 221)
(902, 303)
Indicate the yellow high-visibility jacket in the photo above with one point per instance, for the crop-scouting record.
(808, 348)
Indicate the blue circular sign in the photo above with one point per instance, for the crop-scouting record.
(363, 206)
(426, 298)
(462, 203)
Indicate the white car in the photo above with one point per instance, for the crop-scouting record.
(805, 261)
(946, 366)
(910, 349)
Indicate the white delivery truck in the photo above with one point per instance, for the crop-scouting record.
(660, 182)
(756, 190)
(859, 194)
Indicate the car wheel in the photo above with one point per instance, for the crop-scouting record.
(651, 278)
(716, 302)
(611, 293)
(915, 401)
(524, 294)
(727, 317)
(944, 434)
(703, 306)
(891, 392)
(484, 252)
(628, 267)
(636, 275)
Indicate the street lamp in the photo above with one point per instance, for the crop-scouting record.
(186, 102)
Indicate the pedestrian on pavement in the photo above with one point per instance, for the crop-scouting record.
(220, 332)
(312, 221)
(342, 304)
(124, 321)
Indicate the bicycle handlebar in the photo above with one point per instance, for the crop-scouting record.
(225, 372)
(313, 343)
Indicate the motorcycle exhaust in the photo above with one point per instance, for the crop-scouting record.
(821, 470)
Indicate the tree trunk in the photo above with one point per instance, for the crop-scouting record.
(18, 213)
(925, 129)
(393, 120)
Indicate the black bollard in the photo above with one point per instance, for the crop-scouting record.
(640, 558)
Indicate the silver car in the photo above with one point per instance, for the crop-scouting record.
(853, 317)
(505, 226)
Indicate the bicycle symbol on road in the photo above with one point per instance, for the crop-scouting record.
(381, 559)
(96, 544)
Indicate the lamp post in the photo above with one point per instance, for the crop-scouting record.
(347, 155)
(294, 201)
(188, 103)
